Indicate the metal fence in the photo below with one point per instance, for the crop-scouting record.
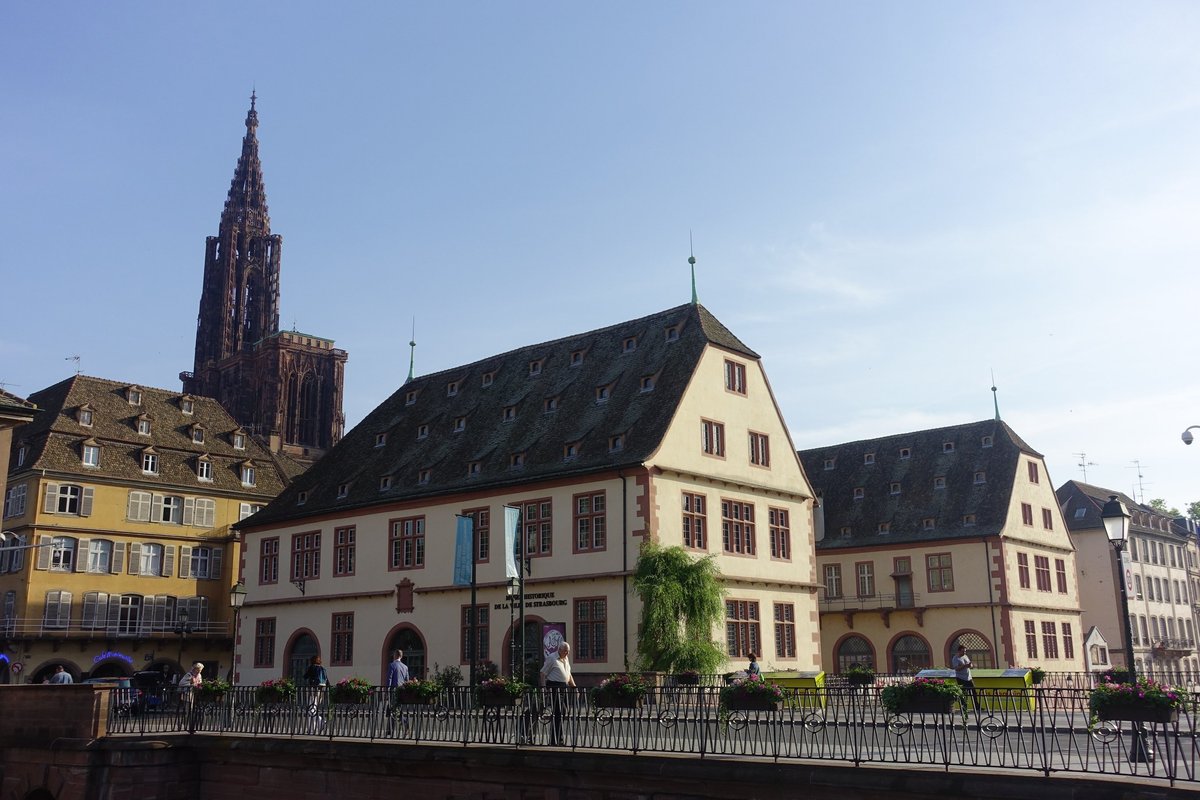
(1042, 729)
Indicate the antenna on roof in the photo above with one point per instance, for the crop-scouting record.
(78, 363)
(1140, 490)
(692, 261)
(1084, 464)
(412, 349)
(995, 398)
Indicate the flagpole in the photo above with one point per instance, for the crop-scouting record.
(473, 643)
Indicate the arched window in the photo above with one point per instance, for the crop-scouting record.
(100, 553)
(855, 650)
(978, 649)
(910, 654)
(62, 554)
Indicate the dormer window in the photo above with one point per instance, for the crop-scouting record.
(343, 490)
(570, 451)
(301, 498)
(629, 344)
(647, 383)
(85, 416)
(535, 367)
(474, 468)
(980, 477)
(187, 405)
(884, 527)
(487, 379)
(939, 482)
(947, 447)
(673, 333)
(134, 395)
(149, 462)
(509, 413)
(385, 483)
(239, 440)
(868, 458)
(422, 431)
(927, 524)
(22, 451)
(576, 358)
(1080, 512)
(968, 520)
(451, 388)
(830, 463)
(516, 461)
(204, 469)
(143, 425)
(247, 474)
(460, 424)
(603, 393)
(905, 453)
(91, 453)
(845, 530)
(894, 487)
(550, 404)
(197, 434)
(859, 493)
(986, 441)
(423, 476)
(410, 397)
(380, 439)
(616, 443)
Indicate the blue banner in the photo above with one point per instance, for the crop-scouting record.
(512, 520)
(464, 547)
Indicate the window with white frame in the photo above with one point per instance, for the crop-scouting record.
(205, 514)
(205, 562)
(14, 501)
(239, 441)
(149, 559)
(57, 612)
(139, 506)
(100, 555)
(247, 475)
(62, 554)
(246, 509)
(204, 470)
(170, 510)
(91, 455)
(143, 426)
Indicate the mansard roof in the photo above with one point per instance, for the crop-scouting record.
(55, 438)
(411, 437)
(900, 488)
(1074, 495)
(15, 409)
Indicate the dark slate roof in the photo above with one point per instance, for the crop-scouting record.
(642, 417)
(1073, 495)
(56, 438)
(15, 408)
(918, 499)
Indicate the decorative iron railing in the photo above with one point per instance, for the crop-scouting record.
(1041, 729)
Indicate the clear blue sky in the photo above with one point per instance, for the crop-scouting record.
(888, 200)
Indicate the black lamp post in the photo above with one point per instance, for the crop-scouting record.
(237, 597)
(1116, 525)
(182, 628)
(514, 592)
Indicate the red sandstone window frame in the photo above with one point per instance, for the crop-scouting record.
(1050, 639)
(737, 528)
(264, 642)
(537, 526)
(1031, 643)
(712, 438)
(345, 550)
(939, 572)
(785, 630)
(482, 525)
(482, 634)
(695, 521)
(735, 377)
(589, 525)
(742, 634)
(760, 449)
(405, 533)
(341, 649)
(1027, 514)
(779, 524)
(1041, 571)
(306, 556)
(268, 561)
(1023, 570)
(590, 616)
(1060, 574)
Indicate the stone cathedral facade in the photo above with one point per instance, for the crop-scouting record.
(284, 387)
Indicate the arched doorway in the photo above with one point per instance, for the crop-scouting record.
(855, 650)
(410, 641)
(42, 674)
(111, 668)
(300, 654)
(979, 650)
(910, 654)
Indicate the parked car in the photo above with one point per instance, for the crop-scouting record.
(155, 689)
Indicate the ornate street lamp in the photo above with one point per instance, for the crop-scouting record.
(513, 593)
(237, 597)
(182, 628)
(1116, 524)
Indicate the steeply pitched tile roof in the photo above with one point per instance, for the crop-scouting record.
(14, 408)
(641, 417)
(917, 500)
(55, 438)
(1074, 495)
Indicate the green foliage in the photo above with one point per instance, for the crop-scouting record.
(275, 691)
(350, 690)
(502, 685)
(416, 691)
(620, 685)
(1193, 510)
(895, 697)
(1037, 675)
(682, 602)
(448, 676)
(748, 688)
(211, 689)
(1160, 505)
(1113, 696)
(859, 675)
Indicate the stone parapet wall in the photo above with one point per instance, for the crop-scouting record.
(41, 714)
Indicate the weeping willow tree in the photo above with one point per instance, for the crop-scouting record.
(682, 602)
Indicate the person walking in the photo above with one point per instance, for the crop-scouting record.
(556, 677)
(961, 664)
(61, 676)
(317, 679)
(397, 674)
(753, 671)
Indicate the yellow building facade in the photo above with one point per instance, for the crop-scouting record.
(123, 499)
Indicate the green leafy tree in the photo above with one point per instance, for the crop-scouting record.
(1160, 505)
(1193, 510)
(682, 602)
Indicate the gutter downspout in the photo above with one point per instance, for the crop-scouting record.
(624, 569)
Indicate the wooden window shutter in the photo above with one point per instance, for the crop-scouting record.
(85, 503)
(135, 558)
(214, 564)
(118, 558)
(50, 505)
(189, 510)
(168, 563)
(82, 554)
(185, 561)
(44, 552)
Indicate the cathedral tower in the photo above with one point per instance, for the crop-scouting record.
(283, 386)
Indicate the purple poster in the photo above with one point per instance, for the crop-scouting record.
(553, 634)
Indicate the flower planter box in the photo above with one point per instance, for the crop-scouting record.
(270, 697)
(413, 699)
(1138, 714)
(927, 705)
(618, 702)
(860, 680)
(347, 699)
(499, 700)
(687, 680)
(752, 704)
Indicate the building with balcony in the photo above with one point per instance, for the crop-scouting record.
(123, 498)
(1159, 561)
(662, 429)
(935, 538)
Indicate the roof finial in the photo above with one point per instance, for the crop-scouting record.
(692, 261)
(412, 349)
(995, 398)
(253, 97)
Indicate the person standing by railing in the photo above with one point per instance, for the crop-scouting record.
(556, 676)
(961, 664)
(317, 679)
(397, 674)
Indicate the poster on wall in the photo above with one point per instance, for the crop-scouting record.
(553, 634)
